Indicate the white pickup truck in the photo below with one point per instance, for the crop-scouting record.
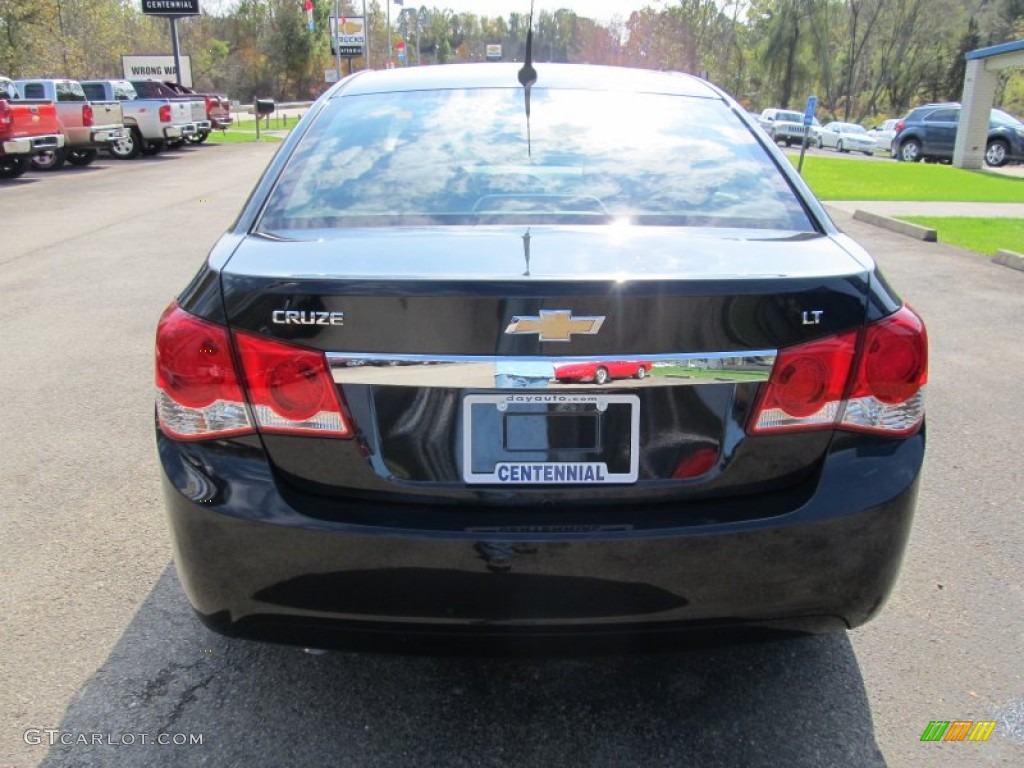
(88, 126)
(152, 123)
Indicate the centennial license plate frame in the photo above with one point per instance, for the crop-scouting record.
(498, 436)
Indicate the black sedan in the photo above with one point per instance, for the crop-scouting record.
(359, 431)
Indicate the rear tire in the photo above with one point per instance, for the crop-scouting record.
(839, 147)
(129, 147)
(82, 157)
(997, 153)
(601, 376)
(12, 166)
(50, 160)
(909, 151)
(642, 373)
(198, 138)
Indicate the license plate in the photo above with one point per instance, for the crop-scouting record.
(550, 439)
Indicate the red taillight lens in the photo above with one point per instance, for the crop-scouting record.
(199, 394)
(807, 385)
(887, 393)
(87, 116)
(813, 385)
(899, 127)
(210, 104)
(290, 388)
(6, 117)
(165, 113)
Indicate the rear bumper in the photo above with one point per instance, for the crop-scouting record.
(179, 131)
(254, 565)
(104, 136)
(31, 145)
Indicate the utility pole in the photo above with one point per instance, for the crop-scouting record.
(366, 36)
(388, 64)
(337, 36)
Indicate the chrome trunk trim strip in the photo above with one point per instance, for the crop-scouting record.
(493, 372)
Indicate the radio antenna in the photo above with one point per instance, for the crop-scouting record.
(527, 77)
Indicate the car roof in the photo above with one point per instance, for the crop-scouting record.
(499, 75)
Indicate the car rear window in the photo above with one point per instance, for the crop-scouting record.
(471, 156)
(789, 117)
(1002, 118)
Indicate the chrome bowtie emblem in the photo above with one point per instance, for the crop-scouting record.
(555, 324)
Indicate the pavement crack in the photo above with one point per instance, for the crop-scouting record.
(187, 697)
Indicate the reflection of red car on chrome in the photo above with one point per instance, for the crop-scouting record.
(600, 372)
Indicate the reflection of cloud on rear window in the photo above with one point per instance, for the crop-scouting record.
(451, 156)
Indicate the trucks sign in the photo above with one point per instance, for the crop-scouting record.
(170, 7)
(349, 37)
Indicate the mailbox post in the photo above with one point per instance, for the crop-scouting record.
(262, 108)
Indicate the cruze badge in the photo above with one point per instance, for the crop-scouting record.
(555, 324)
(304, 317)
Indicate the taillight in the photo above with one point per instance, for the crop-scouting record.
(887, 393)
(210, 103)
(807, 385)
(290, 388)
(6, 116)
(87, 116)
(899, 127)
(199, 394)
(165, 113)
(872, 381)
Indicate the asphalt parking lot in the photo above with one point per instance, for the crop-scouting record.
(101, 645)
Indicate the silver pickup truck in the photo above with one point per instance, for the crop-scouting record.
(154, 89)
(88, 126)
(152, 123)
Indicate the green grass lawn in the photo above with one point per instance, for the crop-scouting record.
(236, 136)
(839, 179)
(245, 130)
(276, 124)
(982, 235)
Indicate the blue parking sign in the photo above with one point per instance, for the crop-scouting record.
(812, 105)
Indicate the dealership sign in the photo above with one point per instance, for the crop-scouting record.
(348, 38)
(170, 7)
(156, 68)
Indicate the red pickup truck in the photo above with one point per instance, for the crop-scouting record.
(27, 128)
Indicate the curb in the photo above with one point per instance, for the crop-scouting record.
(1009, 259)
(895, 225)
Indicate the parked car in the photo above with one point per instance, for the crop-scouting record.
(603, 213)
(846, 137)
(154, 89)
(150, 123)
(929, 133)
(27, 128)
(88, 126)
(787, 126)
(218, 110)
(602, 371)
(883, 134)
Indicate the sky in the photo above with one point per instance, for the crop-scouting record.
(601, 10)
